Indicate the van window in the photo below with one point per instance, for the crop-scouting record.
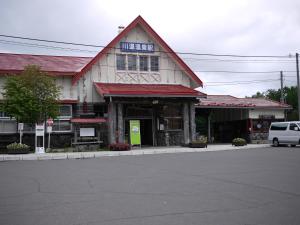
(279, 126)
(292, 126)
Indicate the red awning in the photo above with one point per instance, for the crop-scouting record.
(147, 90)
(88, 120)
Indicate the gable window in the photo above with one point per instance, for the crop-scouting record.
(143, 63)
(121, 62)
(154, 62)
(131, 62)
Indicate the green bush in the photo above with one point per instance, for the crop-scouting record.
(17, 148)
(239, 142)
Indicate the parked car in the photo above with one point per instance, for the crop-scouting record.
(285, 133)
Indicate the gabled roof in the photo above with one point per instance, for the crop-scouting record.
(148, 90)
(228, 101)
(54, 65)
(139, 21)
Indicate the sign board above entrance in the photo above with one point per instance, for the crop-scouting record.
(136, 47)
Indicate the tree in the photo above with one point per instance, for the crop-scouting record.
(259, 95)
(32, 96)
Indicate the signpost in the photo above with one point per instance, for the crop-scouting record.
(49, 129)
(135, 132)
(39, 138)
(20, 129)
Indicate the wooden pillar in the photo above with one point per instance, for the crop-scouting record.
(120, 123)
(192, 122)
(209, 128)
(186, 129)
(111, 123)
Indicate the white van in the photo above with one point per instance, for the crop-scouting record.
(285, 133)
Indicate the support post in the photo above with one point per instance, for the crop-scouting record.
(298, 85)
(111, 122)
(208, 128)
(186, 135)
(192, 122)
(281, 88)
(120, 123)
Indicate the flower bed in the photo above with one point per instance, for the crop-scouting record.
(119, 147)
(17, 148)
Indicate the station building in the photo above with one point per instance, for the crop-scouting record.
(137, 76)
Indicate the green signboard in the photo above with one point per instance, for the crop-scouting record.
(135, 133)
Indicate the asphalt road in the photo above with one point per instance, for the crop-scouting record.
(255, 186)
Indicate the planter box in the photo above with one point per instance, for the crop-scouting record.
(18, 151)
(198, 145)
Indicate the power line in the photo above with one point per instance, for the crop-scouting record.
(254, 82)
(182, 53)
(240, 81)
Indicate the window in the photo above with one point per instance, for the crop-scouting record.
(154, 63)
(279, 126)
(132, 62)
(121, 62)
(173, 123)
(143, 63)
(61, 125)
(3, 114)
(65, 111)
(293, 126)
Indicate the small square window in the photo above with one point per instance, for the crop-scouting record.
(143, 63)
(121, 65)
(154, 63)
(131, 62)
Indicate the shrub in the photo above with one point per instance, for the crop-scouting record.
(17, 148)
(119, 147)
(239, 142)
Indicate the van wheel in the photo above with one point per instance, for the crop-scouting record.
(275, 142)
(293, 145)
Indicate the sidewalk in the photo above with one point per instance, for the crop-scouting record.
(142, 151)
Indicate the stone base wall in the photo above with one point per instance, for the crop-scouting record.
(169, 138)
(259, 138)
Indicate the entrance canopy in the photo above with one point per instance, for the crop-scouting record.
(145, 90)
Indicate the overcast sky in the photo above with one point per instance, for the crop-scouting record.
(252, 27)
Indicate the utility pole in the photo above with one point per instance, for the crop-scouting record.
(297, 69)
(281, 88)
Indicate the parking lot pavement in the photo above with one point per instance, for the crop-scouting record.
(254, 186)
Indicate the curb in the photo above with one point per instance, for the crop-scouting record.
(89, 155)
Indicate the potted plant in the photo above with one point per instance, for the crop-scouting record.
(239, 142)
(17, 148)
(201, 142)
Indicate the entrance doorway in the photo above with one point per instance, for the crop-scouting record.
(146, 130)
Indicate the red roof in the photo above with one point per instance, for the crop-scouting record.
(139, 21)
(55, 65)
(88, 120)
(228, 101)
(157, 90)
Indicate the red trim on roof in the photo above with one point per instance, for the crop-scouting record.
(68, 101)
(139, 20)
(88, 120)
(158, 90)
